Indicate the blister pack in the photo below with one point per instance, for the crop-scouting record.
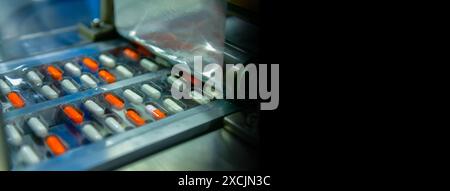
(49, 109)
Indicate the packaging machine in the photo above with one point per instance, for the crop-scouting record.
(85, 85)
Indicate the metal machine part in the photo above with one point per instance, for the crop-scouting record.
(100, 28)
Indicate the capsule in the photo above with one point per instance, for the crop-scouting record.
(34, 78)
(73, 114)
(28, 156)
(151, 91)
(55, 145)
(69, 86)
(107, 61)
(124, 72)
(176, 83)
(90, 64)
(72, 69)
(132, 96)
(37, 127)
(15, 99)
(112, 123)
(156, 113)
(172, 106)
(13, 135)
(91, 133)
(131, 54)
(106, 76)
(55, 73)
(114, 101)
(4, 87)
(94, 108)
(134, 117)
(49, 92)
(88, 81)
(199, 98)
(149, 65)
(171, 79)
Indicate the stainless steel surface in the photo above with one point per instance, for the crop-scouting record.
(217, 150)
(23, 17)
(244, 125)
(241, 43)
(3, 153)
(242, 34)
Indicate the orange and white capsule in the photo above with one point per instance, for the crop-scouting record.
(133, 96)
(134, 117)
(156, 113)
(55, 73)
(72, 69)
(94, 108)
(162, 61)
(107, 76)
(37, 127)
(69, 86)
(149, 65)
(4, 87)
(55, 145)
(34, 78)
(88, 81)
(114, 101)
(124, 71)
(177, 83)
(49, 92)
(73, 114)
(13, 135)
(91, 133)
(15, 99)
(91, 64)
(107, 61)
(151, 91)
(172, 106)
(131, 54)
(114, 125)
(27, 155)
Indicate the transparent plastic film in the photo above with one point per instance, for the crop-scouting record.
(175, 30)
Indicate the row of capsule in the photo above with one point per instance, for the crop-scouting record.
(57, 147)
(86, 79)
